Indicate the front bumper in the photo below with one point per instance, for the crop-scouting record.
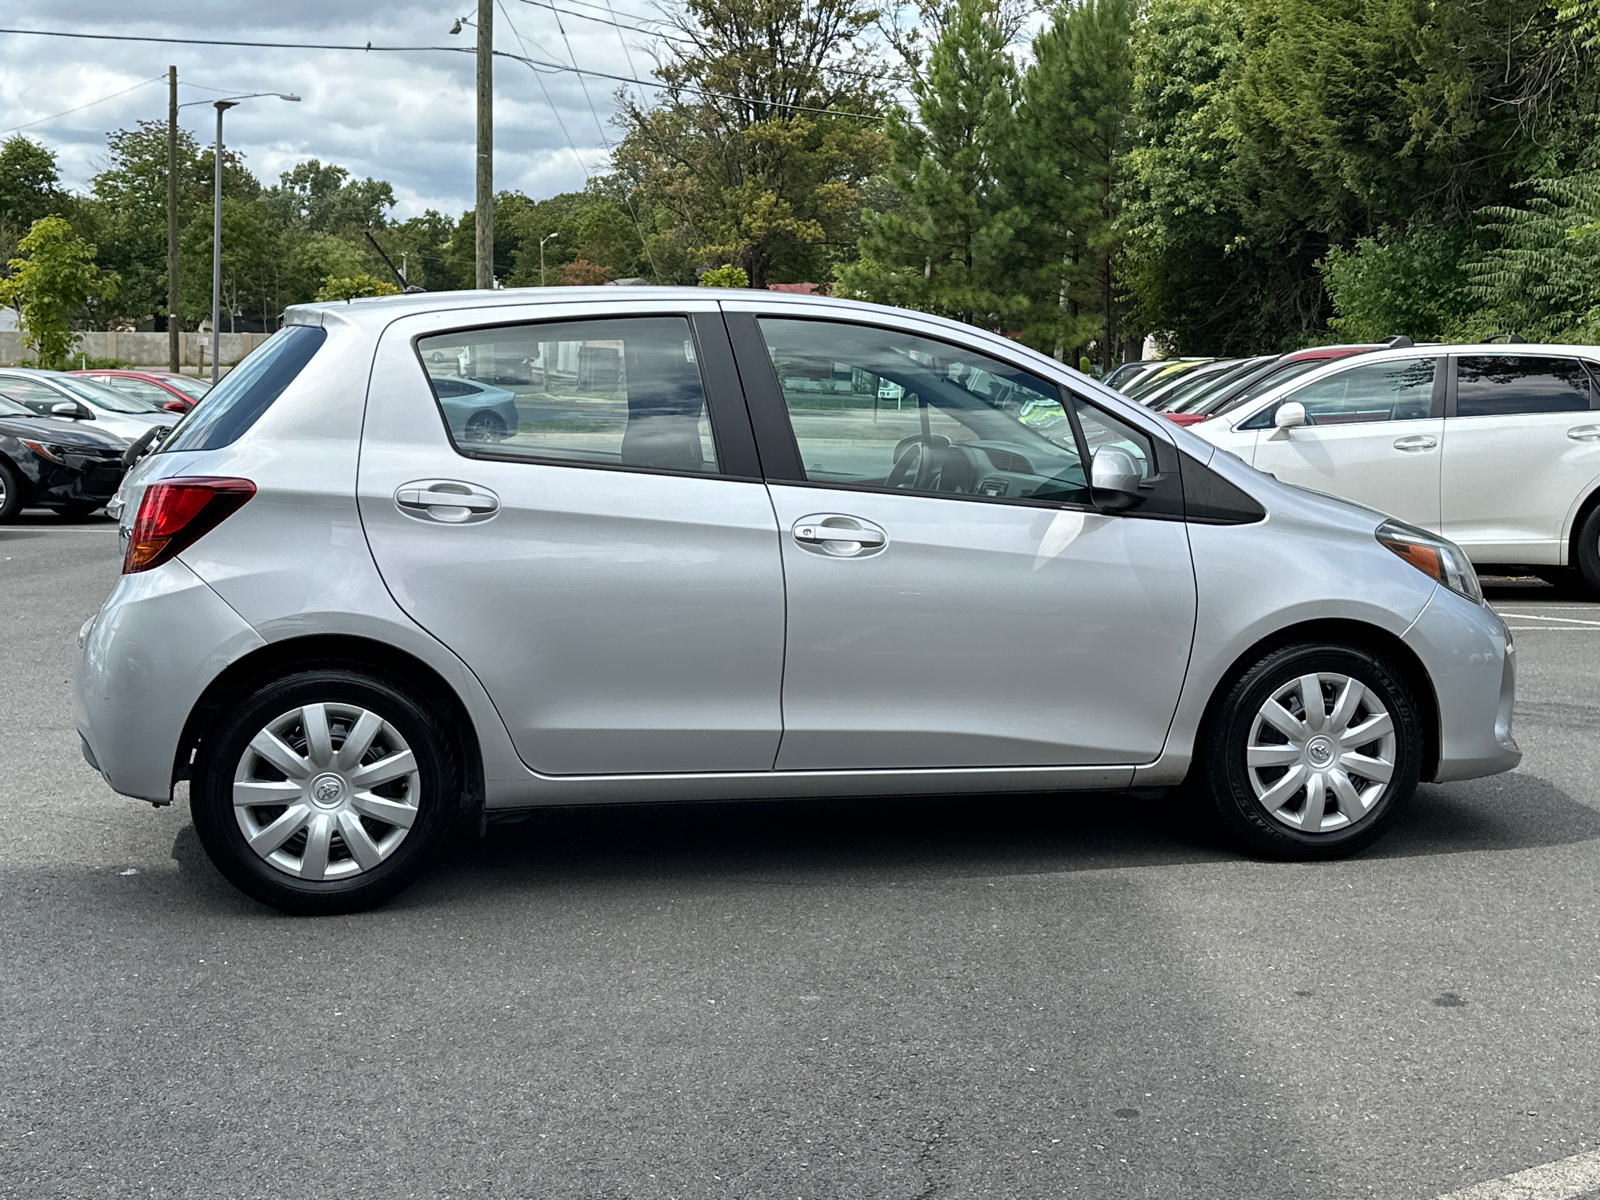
(1472, 662)
(158, 641)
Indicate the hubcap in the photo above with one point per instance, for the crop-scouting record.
(1321, 752)
(326, 791)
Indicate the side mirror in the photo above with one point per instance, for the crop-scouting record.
(1290, 415)
(175, 405)
(69, 410)
(1114, 477)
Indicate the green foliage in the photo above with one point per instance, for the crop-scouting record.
(321, 198)
(946, 250)
(1404, 280)
(1541, 277)
(757, 150)
(28, 187)
(350, 286)
(1067, 172)
(730, 276)
(51, 285)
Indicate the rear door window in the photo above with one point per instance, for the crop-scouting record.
(608, 392)
(1489, 385)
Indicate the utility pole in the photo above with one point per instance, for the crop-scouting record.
(485, 230)
(221, 106)
(173, 361)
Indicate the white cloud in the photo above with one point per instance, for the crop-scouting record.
(407, 118)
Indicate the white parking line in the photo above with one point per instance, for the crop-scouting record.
(1537, 617)
(1561, 1180)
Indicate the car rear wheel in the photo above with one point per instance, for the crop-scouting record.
(1313, 751)
(325, 792)
(10, 492)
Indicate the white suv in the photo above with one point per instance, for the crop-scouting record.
(1495, 447)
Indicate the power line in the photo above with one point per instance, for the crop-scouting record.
(91, 104)
(644, 243)
(132, 37)
(687, 41)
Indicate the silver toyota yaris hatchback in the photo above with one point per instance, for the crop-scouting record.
(740, 544)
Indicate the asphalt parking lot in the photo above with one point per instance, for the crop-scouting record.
(1030, 997)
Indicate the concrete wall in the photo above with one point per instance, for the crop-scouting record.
(145, 349)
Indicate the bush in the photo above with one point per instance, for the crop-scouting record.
(730, 276)
(348, 287)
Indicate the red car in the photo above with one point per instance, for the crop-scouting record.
(164, 389)
(1279, 370)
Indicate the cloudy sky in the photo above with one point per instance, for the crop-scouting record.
(407, 118)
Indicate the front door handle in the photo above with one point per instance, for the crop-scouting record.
(446, 500)
(839, 535)
(1584, 433)
(1420, 441)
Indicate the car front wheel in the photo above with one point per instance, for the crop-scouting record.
(1313, 751)
(325, 792)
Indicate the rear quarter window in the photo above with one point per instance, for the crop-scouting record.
(247, 391)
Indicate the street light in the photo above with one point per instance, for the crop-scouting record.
(542, 241)
(222, 106)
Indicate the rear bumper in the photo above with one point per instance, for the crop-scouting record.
(160, 638)
(1472, 661)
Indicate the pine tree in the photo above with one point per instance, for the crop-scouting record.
(1066, 172)
(946, 249)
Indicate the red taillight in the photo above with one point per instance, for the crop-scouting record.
(176, 513)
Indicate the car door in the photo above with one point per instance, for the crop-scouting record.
(1372, 434)
(954, 599)
(608, 563)
(1521, 447)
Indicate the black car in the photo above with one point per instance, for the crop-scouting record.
(46, 462)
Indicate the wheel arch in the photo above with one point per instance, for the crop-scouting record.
(1348, 633)
(278, 659)
(1580, 514)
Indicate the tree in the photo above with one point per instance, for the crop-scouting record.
(1066, 172)
(127, 210)
(946, 250)
(51, 286)
(322, 198)
(1403, 280)
(759, 145)
(1539, 279)
(28, 188)
(258, 277)
(730, 276)
(350, 286)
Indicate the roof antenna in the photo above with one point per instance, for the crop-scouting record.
(405, 287)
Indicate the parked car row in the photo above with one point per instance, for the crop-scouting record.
(1496, 447)
(65, 437)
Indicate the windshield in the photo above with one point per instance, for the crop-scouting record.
(1279, 375)
(189, 387)
(10, 408)
(103, 397)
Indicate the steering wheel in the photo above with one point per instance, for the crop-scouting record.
(916, 463)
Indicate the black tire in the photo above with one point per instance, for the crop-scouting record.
(11, 491)
(1586, 556)
(484, 426)
(215, 820)
(1227, 737)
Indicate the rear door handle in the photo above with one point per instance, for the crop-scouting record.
(839, 535)
(1421, 441)
(446, 500)
(1584, 433)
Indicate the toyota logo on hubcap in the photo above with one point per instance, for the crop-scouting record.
(1320, 751)
(327, 790)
